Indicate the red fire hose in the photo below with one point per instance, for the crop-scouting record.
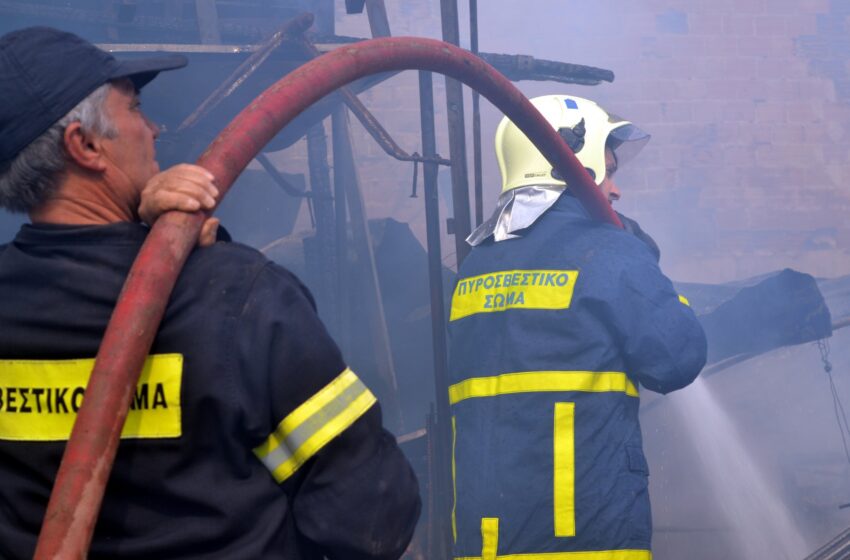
(78, 491)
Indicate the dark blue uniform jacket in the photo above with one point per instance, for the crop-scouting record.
(255, 442)
(552, 335)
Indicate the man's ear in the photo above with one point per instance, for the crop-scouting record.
(84, 148)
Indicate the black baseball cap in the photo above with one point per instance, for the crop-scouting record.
(45, 72)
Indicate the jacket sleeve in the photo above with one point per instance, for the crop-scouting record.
(663, 343)
(352, 492)
(634, 228)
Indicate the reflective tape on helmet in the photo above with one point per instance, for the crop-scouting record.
(307, 429)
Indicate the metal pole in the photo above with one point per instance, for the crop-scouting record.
(325, 18)
(476, 120)
(320, 185)
(379, 23)
(347, 171)
(457, 137)
(341, 213)
(443, 477)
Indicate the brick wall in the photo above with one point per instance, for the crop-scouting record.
(748, 102)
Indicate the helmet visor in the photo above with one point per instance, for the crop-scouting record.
(627, 141)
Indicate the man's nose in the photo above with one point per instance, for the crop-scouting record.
(615, 192)
(155, 128)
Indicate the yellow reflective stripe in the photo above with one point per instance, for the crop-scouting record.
(630, 554)
(513, 289)
(564, 478)
(39, 399)
(489, 538)
(540, 382)
(454, 479)
(684, 300)
(307, 429)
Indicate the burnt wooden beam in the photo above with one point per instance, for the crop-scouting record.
(354, 6)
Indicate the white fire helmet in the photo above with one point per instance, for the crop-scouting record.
(585, 126)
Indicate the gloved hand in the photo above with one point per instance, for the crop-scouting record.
(634, 228)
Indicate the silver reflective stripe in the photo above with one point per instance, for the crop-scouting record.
(313, 424)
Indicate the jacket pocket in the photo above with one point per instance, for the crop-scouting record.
(637, 460)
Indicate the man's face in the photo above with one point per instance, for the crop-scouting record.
(608, 187)
(131, 151)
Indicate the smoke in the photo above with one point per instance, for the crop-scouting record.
(748, 103)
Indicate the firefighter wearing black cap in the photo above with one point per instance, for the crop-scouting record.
(248, 436)
(556, 321)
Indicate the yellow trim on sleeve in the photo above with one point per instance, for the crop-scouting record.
(307, 429)
(321, 399)
(540, 382)
(683, 299)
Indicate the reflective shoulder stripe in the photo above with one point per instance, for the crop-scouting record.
(684, 300)
(308, 428)
(542, 382)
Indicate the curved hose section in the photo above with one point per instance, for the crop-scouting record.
(80, 483)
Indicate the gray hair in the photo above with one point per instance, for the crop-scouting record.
(33, 175)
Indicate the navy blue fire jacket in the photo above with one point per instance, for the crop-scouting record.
(551, 336)
(247, 437)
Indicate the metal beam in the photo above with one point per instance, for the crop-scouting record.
(280, 180)
(457, 137)
(346, 170)
(294, 27)
(379, 23)
(324, 10)
(836, 549)
(320, 184)
(354, 6)
(343, 283)
(522, 67)
(366, 118)
(441, 481)
(476, 121)
(208, 21)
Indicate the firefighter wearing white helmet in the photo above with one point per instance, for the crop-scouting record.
(556, 322)
(529, 183)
